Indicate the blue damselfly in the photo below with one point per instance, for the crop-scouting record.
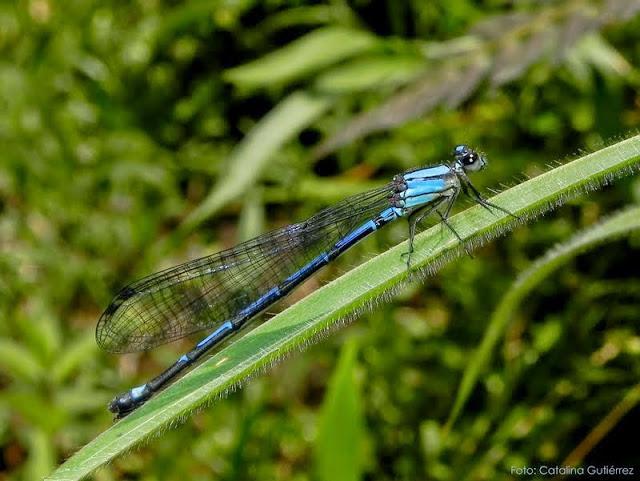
(225, 291)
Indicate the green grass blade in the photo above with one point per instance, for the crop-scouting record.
(612, 228)
(312, 52)
(368, 73)
(18, 362)
(604, 427)
(343, 299)
(339, 445)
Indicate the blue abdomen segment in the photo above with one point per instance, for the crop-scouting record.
(214, 336)
(390, 214)
(304, 272)
(260, 303)
(356, 234)
(138, 392)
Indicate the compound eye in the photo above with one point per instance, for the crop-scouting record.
(469, 158)
(473, 161)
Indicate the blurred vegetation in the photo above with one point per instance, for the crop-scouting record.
(138, 135)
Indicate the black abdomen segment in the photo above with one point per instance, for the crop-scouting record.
(125, 403)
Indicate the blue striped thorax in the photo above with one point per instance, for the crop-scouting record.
(420, 187)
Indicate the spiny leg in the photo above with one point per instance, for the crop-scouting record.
(413, 220)
(444, 217)
(455, 233)
(484, 202)
(445, 220)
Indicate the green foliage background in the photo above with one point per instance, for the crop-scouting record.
(135, 136)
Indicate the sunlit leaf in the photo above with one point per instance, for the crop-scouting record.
(369, 73)
(305, 55)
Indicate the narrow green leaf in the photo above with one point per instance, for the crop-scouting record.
(41, 454)
(345, 298)
(630, 400)
(319, 190)
(312, 52)
(252, 155)
(252, 218)
(612, 228)
(369, 73)
(74, 355)
(43, 337)
(448, 84)
(19, 363)
(339, 444)
(309, 15)
(595, 50)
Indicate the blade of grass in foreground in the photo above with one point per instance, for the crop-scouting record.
(611, 229)
(343, 299)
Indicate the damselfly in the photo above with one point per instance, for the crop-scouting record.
(225, 291)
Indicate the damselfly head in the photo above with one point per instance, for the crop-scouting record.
(469, 159)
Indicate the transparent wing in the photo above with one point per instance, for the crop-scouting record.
(204, 293)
